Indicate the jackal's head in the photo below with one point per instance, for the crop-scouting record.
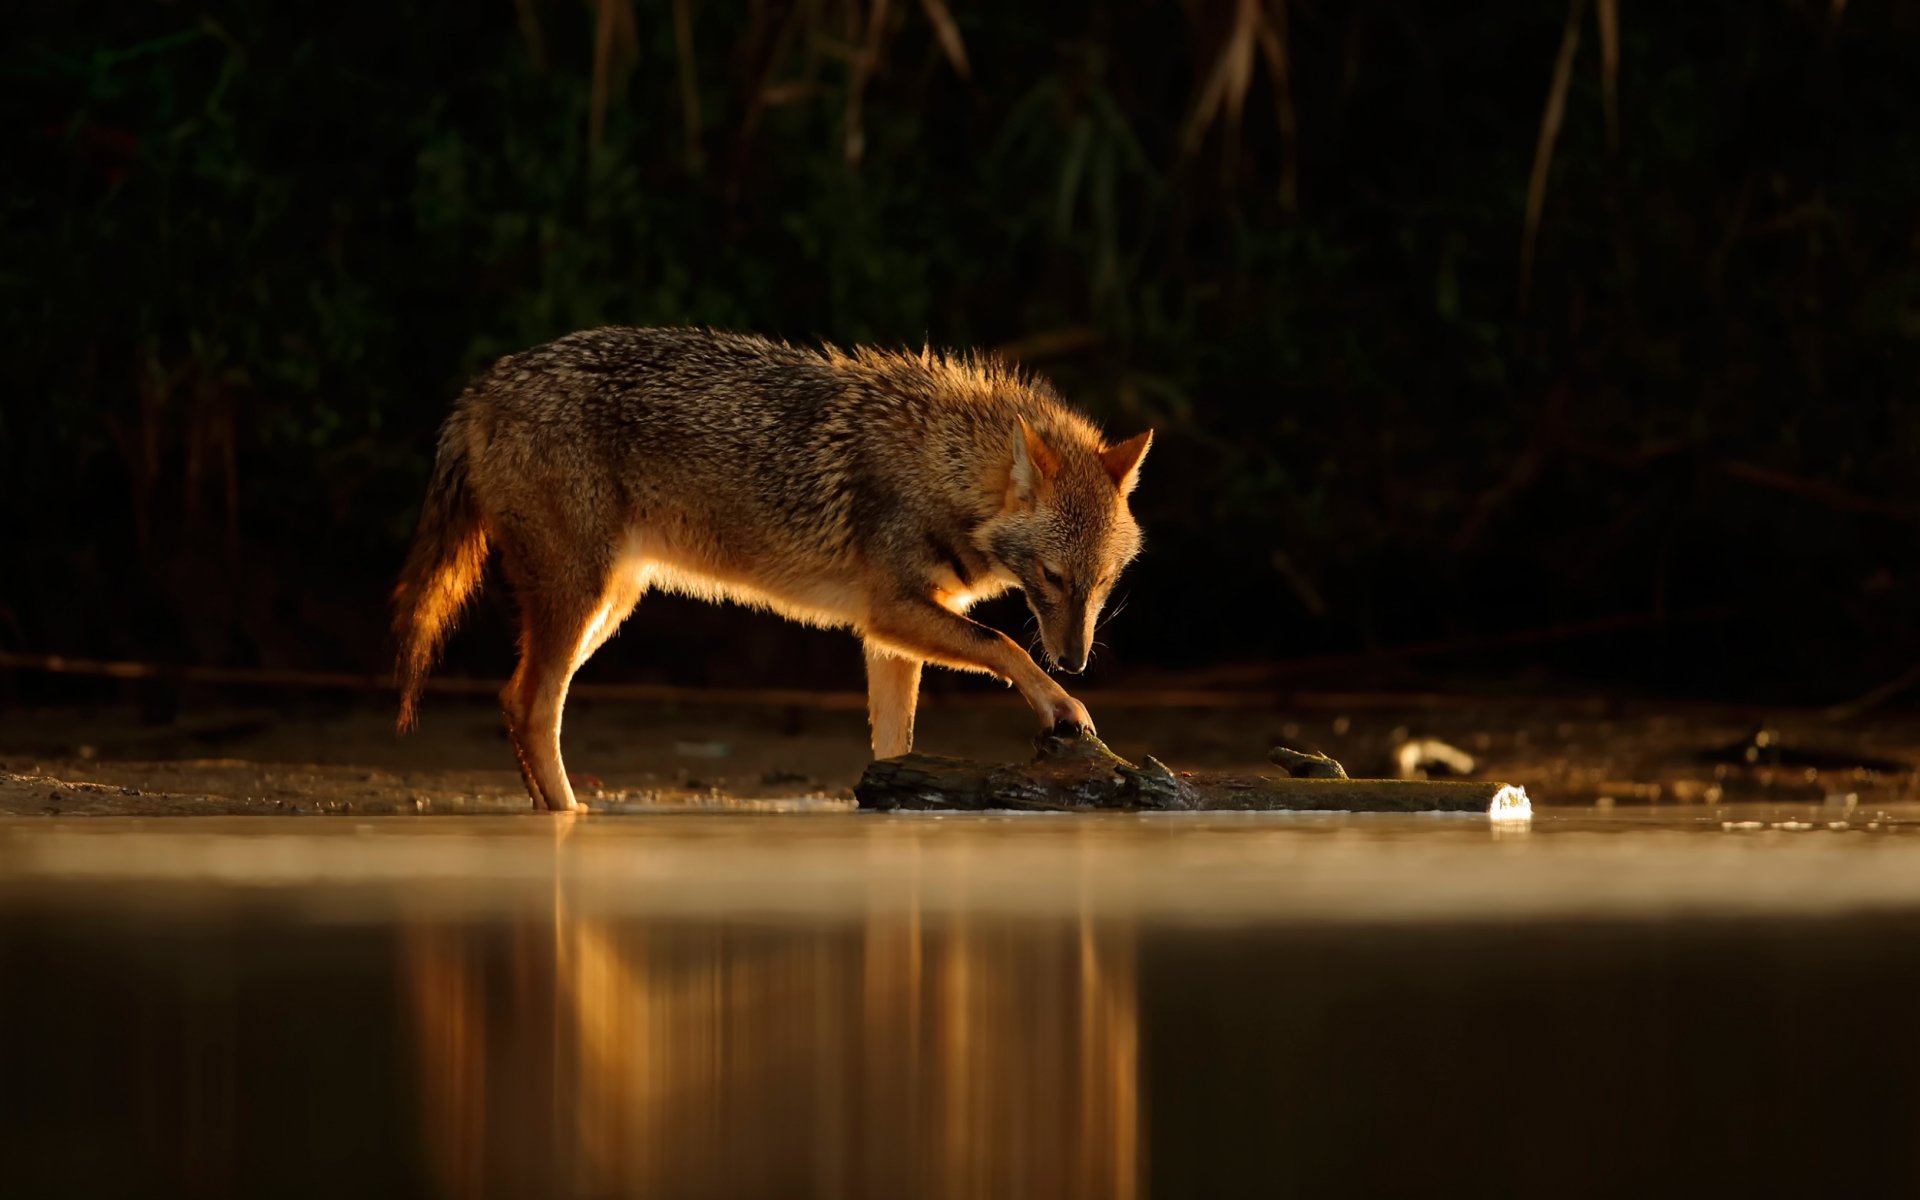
(1065, 533)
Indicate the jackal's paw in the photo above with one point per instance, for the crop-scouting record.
(1065, 717)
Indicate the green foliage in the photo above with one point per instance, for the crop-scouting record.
(246, 233)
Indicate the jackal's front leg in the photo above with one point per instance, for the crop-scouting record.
(916, 627)
(893, 692)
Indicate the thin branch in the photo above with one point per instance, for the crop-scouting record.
(864, 64)
(1225, 91)
(949, 34)
(1861, 705)
(1276, 47)
(1607, 16)
(1817, 491)
(689, 82)
(602, 69)
(763, 94)
(1053, 343)
(1550, 120)
(535, 37)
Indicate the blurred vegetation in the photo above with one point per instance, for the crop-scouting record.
(1453, 319)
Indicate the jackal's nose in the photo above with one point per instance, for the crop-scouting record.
(1073, 666)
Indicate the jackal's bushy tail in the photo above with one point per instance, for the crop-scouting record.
(448, 557)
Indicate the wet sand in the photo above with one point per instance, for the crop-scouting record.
(638, 757)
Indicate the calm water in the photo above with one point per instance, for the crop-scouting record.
(1591, 1005)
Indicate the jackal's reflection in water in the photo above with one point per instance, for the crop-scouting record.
(899, 1057)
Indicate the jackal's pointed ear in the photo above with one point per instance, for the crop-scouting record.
(1123, 461)
(1034, 463)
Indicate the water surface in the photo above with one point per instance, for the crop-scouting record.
(1640, 1001)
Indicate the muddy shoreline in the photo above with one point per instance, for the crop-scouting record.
(347, 760)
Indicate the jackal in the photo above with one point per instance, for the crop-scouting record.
(878, 491)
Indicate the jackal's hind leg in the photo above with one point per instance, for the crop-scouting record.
(618, 602)
(561, 627)
(893, 692)
(533, 700)
(514, 711)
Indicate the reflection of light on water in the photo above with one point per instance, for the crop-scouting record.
(450, 1017)
(895, 1056)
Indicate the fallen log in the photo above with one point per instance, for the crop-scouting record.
(1076, 772)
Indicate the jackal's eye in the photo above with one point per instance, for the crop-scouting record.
(1053, 577)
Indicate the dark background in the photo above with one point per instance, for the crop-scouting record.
(251, 250)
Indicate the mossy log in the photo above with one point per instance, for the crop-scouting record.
(1075, 772)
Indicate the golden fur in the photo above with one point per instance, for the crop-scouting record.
(881, 492)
